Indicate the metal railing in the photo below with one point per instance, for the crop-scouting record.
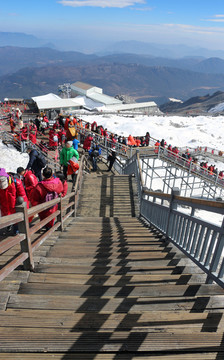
(8, 138)
(199, 240)
(29, 237)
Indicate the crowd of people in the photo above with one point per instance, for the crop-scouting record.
(37, 182)
(24, 186)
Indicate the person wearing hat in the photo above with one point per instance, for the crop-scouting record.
(66, 154)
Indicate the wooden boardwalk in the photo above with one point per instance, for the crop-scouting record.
(108, 288)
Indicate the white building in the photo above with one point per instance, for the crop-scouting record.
(91, 98)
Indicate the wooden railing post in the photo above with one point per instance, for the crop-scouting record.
(60, 216)
(25, 245)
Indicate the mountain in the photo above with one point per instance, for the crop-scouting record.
(194, 105)
(212, 66)
(22, 39)
(160, 50)
(139, 81)
(14, 58)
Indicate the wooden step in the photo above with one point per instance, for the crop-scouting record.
(111, 356)
(114, 304)
(62, 340)
(157, 321)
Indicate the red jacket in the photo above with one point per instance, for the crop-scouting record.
(8, 198)
(87, 142)
(20, 191)
(33, 133)
(52, 136)
(39, 193)
(24, 133)
(30, 181)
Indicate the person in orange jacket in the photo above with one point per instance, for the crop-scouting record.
(157, 145)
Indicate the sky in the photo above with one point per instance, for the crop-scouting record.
(92, 23)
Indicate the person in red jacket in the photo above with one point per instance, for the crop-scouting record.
(20, 189)
(32, 132)
(53, 138)
(87, 143)
(61, 136)
(50, 185)
(7, 193)
(94, 126)
(29, 180)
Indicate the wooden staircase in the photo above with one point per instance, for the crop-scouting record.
(111, 288)
(109, 196)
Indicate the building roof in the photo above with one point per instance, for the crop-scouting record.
(52, 101)
(82, 85)
(87, 103)
(123, 107)
(104, 99)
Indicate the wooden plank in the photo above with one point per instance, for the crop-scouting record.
(114, 262)
(102, 290)
(59, 340)
(119, 305)
(122, 280)
(98, 270)
(182, 321)
(91, 356)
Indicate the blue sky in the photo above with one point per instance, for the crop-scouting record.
(92, 23)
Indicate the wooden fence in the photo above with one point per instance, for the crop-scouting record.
(29, 237)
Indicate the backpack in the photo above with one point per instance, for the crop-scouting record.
(51, 196)
(41, 160)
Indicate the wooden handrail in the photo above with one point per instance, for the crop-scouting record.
(25, 256)
(193, 201)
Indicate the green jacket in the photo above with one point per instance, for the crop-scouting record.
(66, 154)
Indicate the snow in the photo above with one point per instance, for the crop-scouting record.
(216, 109)
(176, 100)
(11, 159)
(179, 131)
(176, 130)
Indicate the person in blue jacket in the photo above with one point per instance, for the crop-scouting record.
(76, 143)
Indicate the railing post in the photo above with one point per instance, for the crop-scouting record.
(173, 206)
(60, 217)
(25, 245)
(217, 254)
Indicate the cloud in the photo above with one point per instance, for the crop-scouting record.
(146, 8)
(216, 18)
(101, 3)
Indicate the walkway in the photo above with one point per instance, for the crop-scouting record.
(110, 288)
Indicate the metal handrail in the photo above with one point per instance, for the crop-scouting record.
(199, 240)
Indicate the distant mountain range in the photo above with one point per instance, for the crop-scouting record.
(23, 40)
(27, 72)
(141, 82)
(160, 50)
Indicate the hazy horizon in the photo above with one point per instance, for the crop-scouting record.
(92, 25)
